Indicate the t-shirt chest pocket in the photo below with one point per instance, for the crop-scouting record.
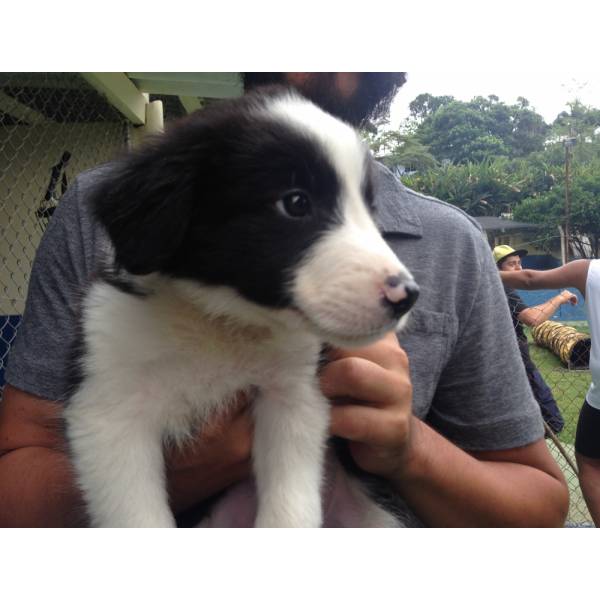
(425, 340)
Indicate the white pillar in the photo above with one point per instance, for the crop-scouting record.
(154, 123)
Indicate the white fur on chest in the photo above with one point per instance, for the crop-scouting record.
(156, 367)
(188, 363)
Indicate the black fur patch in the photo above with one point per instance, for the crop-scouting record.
(77, 351)
(199, 202)
(121, 282)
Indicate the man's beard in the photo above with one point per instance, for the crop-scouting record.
(370, 102)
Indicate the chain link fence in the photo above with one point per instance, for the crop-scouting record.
(556, 357)
(52, 127)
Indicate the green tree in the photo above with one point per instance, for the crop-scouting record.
(473, 131)
(425, 105)
(396, 149)
(529, 131)
(580, 120)
(490, 187)
(548, 210)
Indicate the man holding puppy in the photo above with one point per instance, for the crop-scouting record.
(445, 417)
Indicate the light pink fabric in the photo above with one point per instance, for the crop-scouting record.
(343, 506)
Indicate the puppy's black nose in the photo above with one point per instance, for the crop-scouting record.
(400, 296)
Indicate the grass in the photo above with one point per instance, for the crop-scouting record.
(568, 386)
(569, 389)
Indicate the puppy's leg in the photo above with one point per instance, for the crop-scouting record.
(118, 459)
(290, 433)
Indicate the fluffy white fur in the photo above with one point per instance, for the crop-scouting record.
(159, 366)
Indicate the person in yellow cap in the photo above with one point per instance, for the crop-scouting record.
(509, 260)
(503, 252)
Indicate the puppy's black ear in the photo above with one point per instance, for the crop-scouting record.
(145, 204)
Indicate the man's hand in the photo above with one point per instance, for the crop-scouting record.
(444, 485)
(567, 297)
(372, 404)
(219, 456)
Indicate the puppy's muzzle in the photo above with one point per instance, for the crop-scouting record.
(399, 295)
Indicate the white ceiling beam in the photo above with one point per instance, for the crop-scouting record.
(190, 103)
(121, 93)
(191, 76)
(204, 85)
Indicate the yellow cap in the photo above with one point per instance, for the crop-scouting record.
(501, 252)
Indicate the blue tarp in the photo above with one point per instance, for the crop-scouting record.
(540, 261)
(566, 312)
(533, 298)
(8, 331)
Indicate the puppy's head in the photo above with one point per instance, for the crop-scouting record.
(267, 196)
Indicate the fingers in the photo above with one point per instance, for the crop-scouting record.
(372, 396)
(234, 422)
(227, 439)
(224, 423)
(222, 419)
(386, 353)
(366, 382)
(571, 298)
(368, 426)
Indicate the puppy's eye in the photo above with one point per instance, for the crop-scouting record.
(295, 204)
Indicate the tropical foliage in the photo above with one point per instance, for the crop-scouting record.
(548, 209)
(491, 158)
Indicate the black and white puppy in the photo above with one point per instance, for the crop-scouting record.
(245, 237)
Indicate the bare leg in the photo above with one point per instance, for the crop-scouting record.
(589, 479)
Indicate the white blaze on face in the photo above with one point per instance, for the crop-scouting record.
(340, 287)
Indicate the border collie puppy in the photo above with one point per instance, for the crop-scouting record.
(243, 241)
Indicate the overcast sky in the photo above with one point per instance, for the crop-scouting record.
(547, 92)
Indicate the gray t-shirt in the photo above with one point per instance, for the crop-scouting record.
(468, 379)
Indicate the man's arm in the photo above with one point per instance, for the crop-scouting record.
(573, 274)
(37, 487)
(534, 315)
(518, 487)
(444, 485)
